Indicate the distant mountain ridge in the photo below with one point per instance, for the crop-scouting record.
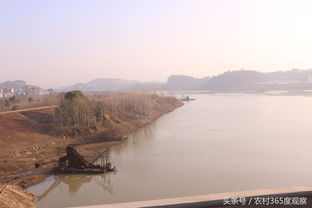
(182, 82)
(108, 84)
(240, 80)
(102, 85)
(243, 80)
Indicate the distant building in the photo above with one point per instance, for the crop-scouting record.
(21, 92)
(8, 95)
(7, 92)
(34, 91)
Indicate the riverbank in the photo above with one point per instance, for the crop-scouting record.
(12, 196)
(26, 138)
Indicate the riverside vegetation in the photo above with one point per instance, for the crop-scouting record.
(31, 136)
(77, 115)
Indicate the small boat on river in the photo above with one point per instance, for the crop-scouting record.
(187, 98)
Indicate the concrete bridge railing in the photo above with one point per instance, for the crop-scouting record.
(278, 197)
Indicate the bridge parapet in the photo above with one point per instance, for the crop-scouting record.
(277, 197)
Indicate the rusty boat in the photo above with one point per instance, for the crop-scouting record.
(73, 162)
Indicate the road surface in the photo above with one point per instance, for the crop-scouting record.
(28, 109)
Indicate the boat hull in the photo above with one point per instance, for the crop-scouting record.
(83, 171)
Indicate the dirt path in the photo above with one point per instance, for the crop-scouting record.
(28, 109)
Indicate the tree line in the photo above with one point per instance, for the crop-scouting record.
(76, 112)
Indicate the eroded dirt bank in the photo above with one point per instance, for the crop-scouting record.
(12, 196)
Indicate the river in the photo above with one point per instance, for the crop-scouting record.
(218, 143)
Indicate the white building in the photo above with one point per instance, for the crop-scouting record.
(8, 95)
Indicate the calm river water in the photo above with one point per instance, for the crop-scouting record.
(218, 143)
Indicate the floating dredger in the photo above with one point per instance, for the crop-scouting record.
(73, 162)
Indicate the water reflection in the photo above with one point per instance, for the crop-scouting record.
(77, 183)
(74, 182)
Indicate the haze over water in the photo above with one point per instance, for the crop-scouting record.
(218, 143)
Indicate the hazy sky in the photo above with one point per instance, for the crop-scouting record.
(58, 43)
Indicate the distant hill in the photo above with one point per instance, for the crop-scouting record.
(149, 86)
(181, 82)
(244, 80)
(114, 84)
(17, 84)
(241, 80)
(103, 85)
